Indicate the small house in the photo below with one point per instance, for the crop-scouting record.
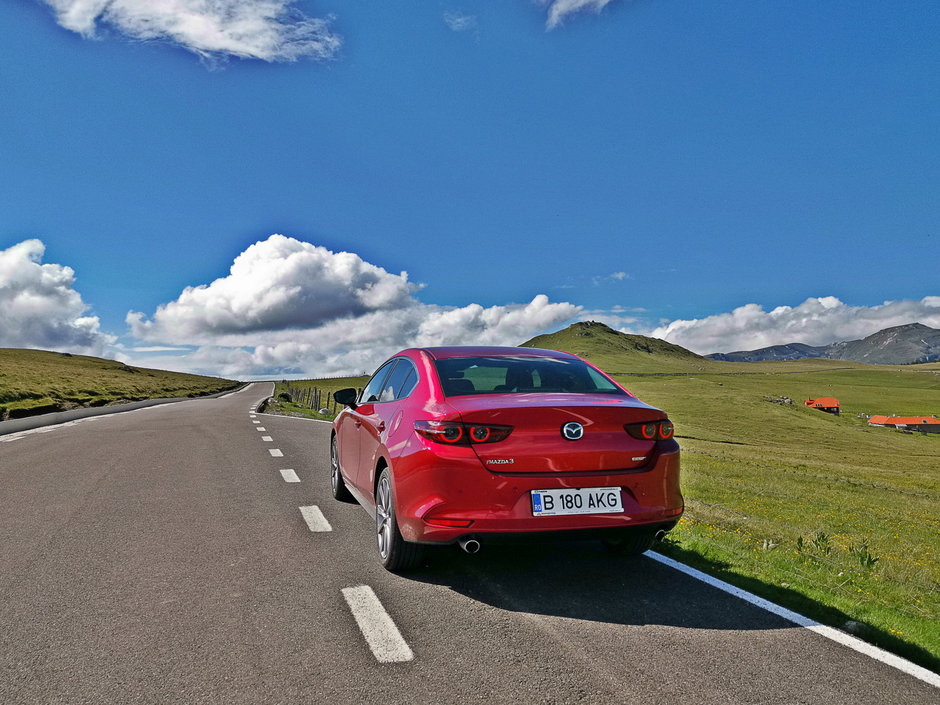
(827, 404)
(923, 424)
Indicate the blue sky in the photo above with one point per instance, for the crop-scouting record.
(725, 175)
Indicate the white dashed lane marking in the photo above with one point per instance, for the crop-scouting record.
(289, 475)
(261, 428)
(315, 519)
(377, 627)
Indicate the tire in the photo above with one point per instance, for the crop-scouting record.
(630, 543)
(395, 554)
(337, 484)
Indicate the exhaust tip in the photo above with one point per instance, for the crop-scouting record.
(470, 546)
(660, 535)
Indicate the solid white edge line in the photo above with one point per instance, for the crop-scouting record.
(315, 520)
(854, 643)
(289, 475)
(376, 625)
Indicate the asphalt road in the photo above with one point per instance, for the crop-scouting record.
(161, 556)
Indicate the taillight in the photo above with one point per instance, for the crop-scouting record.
(440, 431)
(480, 434)
(651, 430)
(453, 433)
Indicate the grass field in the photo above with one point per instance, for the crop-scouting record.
(819, 513)
(36, 381)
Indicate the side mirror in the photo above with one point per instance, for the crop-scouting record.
(346, 397)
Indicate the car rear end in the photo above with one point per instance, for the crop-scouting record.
(523, 460)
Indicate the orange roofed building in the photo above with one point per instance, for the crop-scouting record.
(827, 404)
(924, 424)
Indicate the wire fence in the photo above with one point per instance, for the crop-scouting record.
(312, 397)
(320, 400)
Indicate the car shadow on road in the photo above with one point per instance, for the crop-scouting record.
(580, 580)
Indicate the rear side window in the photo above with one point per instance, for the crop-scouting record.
(400, 382)
(520, 375)
(408, 386)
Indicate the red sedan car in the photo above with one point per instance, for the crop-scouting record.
(467, 444)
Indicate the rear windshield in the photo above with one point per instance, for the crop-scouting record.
(520, 375)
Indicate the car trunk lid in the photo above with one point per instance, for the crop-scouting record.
(538, 443)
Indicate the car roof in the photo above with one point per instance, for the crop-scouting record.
(440, 353)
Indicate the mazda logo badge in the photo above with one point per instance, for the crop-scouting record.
(572, 430)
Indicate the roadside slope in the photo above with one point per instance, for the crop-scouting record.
(38, 381)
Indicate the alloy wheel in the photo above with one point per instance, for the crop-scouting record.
(383, 517)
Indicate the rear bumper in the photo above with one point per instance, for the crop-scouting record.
(456, 499)
(523, 538)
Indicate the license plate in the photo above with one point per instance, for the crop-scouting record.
(590, 500)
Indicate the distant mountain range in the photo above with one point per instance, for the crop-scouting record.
(900, 345)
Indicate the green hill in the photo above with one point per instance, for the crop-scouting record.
(618, 352)
(37, 381)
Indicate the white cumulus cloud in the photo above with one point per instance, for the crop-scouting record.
(496, 325)
(277, 284)
(271, 30)
(816, 321)
(290, 307)
(40, 309)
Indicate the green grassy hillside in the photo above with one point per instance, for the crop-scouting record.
(617, 352)
(821, 513)
(36, 381)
